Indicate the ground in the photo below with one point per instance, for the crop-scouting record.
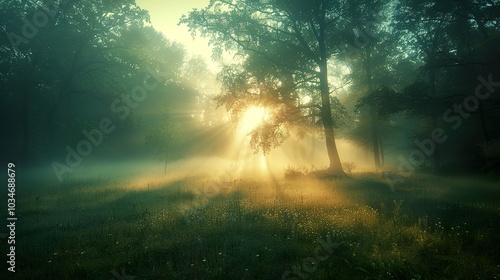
(427, 227)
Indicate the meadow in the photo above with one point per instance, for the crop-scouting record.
(200, 227)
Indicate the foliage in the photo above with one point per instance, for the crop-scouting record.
(86, 55)
(283, 48)
(297, 172)
(386, 100)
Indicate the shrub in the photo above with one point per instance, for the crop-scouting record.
(292, 172)
(349, 166)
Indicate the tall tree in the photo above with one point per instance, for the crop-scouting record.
(298, 38)
(366, 56)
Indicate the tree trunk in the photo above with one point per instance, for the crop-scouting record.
(326, 118)
(64, 96)
(482, 119)
(382, 159)
(433, 92)
(26, 88)
(335, 167)
(375, 137)
(373, 111)
(434, 116)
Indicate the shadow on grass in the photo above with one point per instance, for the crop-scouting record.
(260, 230)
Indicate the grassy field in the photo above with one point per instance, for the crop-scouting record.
(261, 228)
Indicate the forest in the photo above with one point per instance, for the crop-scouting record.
(320, 139)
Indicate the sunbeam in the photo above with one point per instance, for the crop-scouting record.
(251, 119)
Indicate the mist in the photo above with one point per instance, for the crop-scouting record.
(250, 139)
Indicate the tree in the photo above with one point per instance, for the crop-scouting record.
(62, 59)
(366, 56)
(294, 40)
(166, 138)
(454, 42)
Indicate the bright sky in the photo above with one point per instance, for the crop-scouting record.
(165, 15)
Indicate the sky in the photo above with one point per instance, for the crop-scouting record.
(165, 15)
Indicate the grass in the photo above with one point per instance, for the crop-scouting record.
(194, 228)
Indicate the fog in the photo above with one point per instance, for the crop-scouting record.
(250, 139)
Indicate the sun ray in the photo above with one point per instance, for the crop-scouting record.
(251, 119)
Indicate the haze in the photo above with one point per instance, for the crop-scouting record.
(231, 139)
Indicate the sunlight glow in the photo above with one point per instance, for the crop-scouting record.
(306, 99)
(252, 118)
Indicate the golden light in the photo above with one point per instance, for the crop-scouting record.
(306, 99)
(252, 118)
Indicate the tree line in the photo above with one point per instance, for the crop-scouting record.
(409, 80)
(66, 66)
(391, 76)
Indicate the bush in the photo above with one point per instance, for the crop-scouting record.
(296, 172)
(349, 166)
